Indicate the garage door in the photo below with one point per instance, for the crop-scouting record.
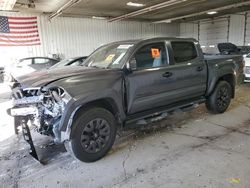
(247, 37)
(213, 32)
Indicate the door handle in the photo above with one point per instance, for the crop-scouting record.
(167, 74)
(200, 68)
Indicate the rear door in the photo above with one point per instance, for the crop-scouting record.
(188, 68)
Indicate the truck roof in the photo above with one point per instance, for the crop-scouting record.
(135, 41)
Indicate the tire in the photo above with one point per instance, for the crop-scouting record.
(220, 99)
(93, 134)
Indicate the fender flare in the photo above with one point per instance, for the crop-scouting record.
(75, 104)
(212, 84)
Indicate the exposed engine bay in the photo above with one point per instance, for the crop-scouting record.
(41, 108)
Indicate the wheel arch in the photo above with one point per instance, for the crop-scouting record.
(106, 103)
(230, 78)
(77, 108)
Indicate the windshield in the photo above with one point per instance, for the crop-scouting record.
(108, 56)
(61, 63)
(248, 55)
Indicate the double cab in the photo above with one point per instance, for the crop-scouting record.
(122, 83)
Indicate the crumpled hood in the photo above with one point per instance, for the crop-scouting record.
(42, 78)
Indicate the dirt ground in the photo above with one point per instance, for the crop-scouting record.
(191, 149)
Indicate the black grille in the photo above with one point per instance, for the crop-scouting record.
(19, 93)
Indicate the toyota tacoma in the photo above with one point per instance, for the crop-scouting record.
(121, 83)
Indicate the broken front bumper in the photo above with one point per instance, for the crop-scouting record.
(43, 109)
(23, 111)
(20, 115)
(20, 119)
(27, 137)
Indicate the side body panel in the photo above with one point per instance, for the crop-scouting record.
(219, 66)
(108, 85)
(148, 88)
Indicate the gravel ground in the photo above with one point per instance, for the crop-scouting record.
(191, 149)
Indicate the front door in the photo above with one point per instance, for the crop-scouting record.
(146, 86)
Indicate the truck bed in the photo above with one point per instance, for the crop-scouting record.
(238, 60)
(221, 57)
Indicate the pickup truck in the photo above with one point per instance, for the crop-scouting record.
(120, 84)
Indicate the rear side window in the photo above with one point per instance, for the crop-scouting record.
(183, 51)
(41, 61)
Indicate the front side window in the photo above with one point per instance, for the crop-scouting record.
(183, 51)
(151, 56)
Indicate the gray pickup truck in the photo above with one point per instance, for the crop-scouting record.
(122, 83)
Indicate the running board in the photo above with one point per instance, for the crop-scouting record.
(142, 118)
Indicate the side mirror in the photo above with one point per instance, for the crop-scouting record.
(132, 64)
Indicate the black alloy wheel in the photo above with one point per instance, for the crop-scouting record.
(92, 135)
(220, 99)
(223, 97)
(95, 135)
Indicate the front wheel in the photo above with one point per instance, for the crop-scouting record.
(93, 134)
(220, 99)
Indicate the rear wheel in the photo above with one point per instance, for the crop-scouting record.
(93, 134)
(220, 99)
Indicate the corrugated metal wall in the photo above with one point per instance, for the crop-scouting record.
(213, 32)
(80, 36)
(189, 30)
(247, 31)
(235, 29)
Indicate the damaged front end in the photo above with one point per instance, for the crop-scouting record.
(41, 108)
